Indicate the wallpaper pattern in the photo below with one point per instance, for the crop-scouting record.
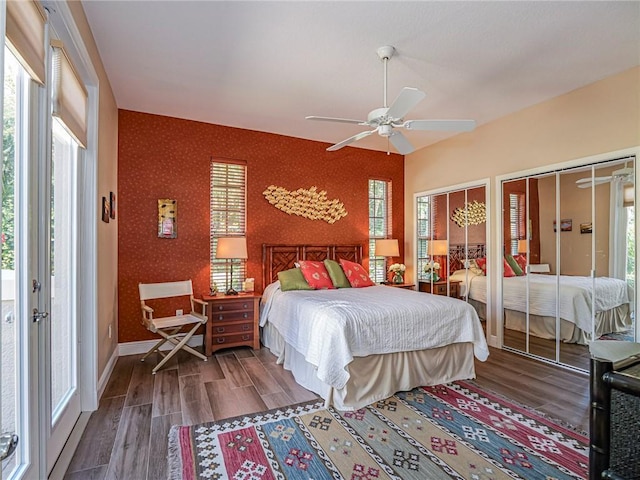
(165, 157)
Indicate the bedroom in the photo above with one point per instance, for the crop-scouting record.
(147, 153)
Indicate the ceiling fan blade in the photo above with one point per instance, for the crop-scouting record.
(339, 120)
(409, 97)
(401, 144)
(597, 179)
(349, 140)
(442, 125)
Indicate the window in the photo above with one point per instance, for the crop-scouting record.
(517, 217)
(380, 225)
(424, 231)
(228, 218)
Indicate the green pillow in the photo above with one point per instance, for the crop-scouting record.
(514, 265)
(336, 274)
(292, 280)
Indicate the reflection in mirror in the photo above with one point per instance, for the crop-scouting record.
(451, 245)
(580, 250)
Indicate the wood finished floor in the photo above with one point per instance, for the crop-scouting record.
(126, 438)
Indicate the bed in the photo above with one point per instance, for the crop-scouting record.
(355, 346)
(612, 304)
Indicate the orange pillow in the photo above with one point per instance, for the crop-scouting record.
(356, 274)
(316, 274)
(521, 260)
(508, 271)
(482, 263)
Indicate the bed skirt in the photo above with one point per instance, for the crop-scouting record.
(614, 320)
(376, 377)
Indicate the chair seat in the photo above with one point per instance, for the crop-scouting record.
(168, 322)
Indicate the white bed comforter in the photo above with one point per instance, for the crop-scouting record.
(575, 295)
(331, 327)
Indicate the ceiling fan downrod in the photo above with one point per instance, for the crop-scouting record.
(385, 53)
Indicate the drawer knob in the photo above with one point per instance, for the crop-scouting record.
(220, 340)
(220, 317)
(245, 337)
(220, 330)
(245, 327)
(244, 305)
(246, 315)
(220, 307)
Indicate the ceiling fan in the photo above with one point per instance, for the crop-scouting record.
(626, 173)
(385, 120)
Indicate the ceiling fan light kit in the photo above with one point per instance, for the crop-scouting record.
(386, 119)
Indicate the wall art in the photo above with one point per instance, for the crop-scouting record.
(167, 218)
(105, 210)
(311, 203)
(476, 214)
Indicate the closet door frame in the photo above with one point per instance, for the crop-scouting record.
(499, 230)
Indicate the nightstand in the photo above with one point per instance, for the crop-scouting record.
(440, 288)
(233, 321)
(408, 286)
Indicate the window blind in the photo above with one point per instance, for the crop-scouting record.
(228, 218)
(517, 220)
(26, 36)
(69, 95)
(380, 225)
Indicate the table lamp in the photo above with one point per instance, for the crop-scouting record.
(232, 248)
(522, 246)
(387, 247)
(439, 248)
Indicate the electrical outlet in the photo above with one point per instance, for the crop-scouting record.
(179, 312)
(109, 331)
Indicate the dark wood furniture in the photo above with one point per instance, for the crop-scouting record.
(440, 288)
(408, 286)
(276, 258)
(614, 421)
(233, 321)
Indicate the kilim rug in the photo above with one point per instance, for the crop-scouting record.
(448, 431)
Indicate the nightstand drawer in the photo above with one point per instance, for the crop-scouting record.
(440, 289)
(230, 339)
(246, 305)
(223, 329)
(227, 316)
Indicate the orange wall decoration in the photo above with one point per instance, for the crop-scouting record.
(165, 157)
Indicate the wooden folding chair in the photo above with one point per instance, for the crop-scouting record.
(171, 328)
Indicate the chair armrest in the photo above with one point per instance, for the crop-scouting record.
(203, 318)
(204, 305)
(147, 309)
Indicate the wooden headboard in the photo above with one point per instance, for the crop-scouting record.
(276, 258)
(458, 254)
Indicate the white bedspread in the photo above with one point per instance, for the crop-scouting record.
(331, 327)
(575, 295)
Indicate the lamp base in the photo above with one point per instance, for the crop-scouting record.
(231, 291)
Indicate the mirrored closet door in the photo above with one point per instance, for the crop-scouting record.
(568, 272)
(451, 245)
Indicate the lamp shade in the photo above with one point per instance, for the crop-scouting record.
(522, 246)
(438, 247)
(387, 247)
(628, 199)
(231, 247)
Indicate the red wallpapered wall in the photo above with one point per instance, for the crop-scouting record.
(165, 157)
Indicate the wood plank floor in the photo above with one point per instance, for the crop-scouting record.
(126, 438)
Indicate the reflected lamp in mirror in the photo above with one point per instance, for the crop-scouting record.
(628, 199)
(387, 247)
(231, 248)
(522, 246)
(438, 247)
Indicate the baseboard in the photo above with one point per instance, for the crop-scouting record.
(143, 346)
(492, 341)
(64, 460)
(106, 374)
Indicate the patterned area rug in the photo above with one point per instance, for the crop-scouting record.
(447, 431)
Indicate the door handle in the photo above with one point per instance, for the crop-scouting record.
(8, 445)
(38, 315)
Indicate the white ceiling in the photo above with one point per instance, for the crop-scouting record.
(266, 65)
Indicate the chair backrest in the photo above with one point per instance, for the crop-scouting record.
(165, 290)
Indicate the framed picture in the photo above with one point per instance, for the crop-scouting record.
(112, 204)
(167, 218)
(565, 225)
(586, 227)
(105, 210)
